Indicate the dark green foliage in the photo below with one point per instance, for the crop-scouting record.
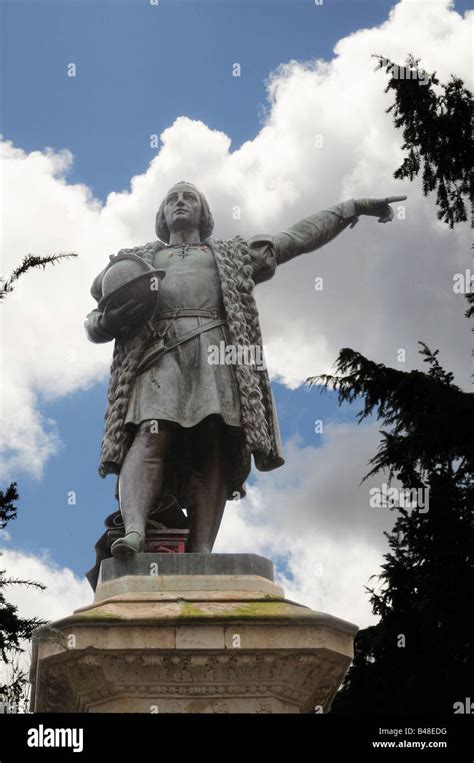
(13, 629)
(425, 595)
(436, 122)
(29, 262)
(470, 310)
(7, 506)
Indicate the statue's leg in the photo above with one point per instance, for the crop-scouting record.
(206, 491)
(140, 482)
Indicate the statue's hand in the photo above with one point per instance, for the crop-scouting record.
(377, 207)
(114, 320)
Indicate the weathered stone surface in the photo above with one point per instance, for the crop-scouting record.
(197, 587)
(230, 649)
(186, 564)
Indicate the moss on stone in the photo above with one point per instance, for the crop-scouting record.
(254, 609)
(189, 609)
(263, 608)
(98, 613)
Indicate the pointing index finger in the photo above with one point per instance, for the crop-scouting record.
(391, 199)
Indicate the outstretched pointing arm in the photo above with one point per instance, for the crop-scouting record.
(312, 232)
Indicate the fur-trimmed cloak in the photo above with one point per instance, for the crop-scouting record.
(260, 437)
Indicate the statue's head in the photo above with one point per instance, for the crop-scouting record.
(184, 208)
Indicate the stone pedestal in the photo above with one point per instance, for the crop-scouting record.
(190, 633)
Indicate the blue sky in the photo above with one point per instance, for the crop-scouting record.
(139, 68)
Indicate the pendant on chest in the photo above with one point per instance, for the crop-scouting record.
(184, 250)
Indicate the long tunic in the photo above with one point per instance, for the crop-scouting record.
(183, 386)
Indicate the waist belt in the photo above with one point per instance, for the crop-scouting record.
(160, 348)
(186, 312)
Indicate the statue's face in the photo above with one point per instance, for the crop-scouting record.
(182, 208)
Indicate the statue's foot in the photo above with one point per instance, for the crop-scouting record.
(131, 543)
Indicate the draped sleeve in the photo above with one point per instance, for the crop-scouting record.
(307, 235)
(263, 256)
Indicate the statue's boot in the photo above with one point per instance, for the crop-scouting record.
(140, 483)
(131, 543)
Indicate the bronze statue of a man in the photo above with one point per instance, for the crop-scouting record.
(176, 422)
